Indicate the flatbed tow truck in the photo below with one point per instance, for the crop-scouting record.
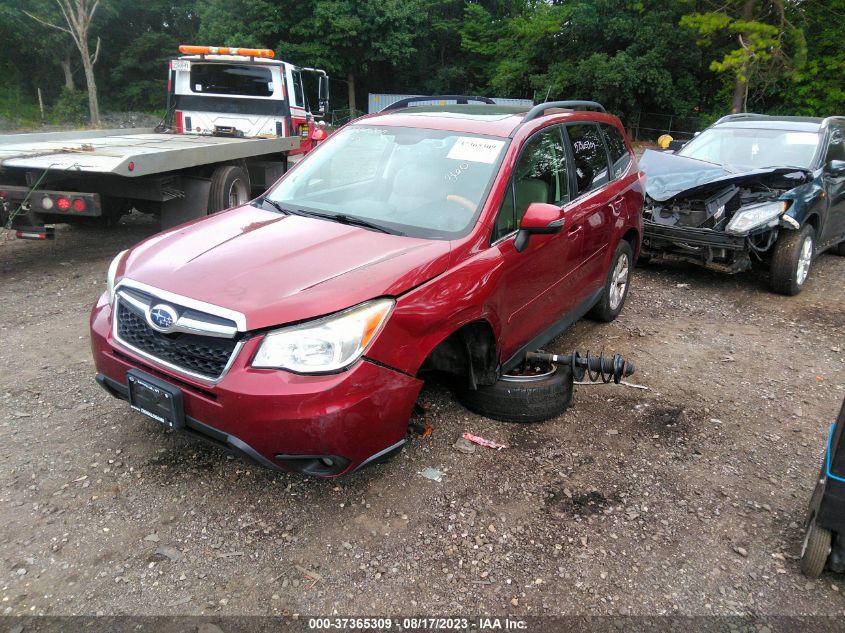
(236, 118)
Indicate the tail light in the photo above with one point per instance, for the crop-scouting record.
(78, 205)
(63, 203)
(180, 123)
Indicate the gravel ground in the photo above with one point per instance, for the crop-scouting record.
(687, 497)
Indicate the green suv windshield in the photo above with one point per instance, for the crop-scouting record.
(419, 182)
(744, 149)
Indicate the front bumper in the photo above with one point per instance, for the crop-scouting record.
(713, 249)
(277, 418)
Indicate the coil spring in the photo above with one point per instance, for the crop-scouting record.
(606, 369)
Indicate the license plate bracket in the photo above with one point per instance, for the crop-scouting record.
(156, 399)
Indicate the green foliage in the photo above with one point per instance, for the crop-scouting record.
(759, 41)
(141, 71)
(71, 108)
(819, 89)
(674, 57)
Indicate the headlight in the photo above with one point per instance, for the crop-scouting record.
(755, 215)
(327, 344)
(112, 273)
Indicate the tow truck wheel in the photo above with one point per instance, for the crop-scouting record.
(230, 187)
(522, 398)
(791, 260)
(616, 285)
(815, 550)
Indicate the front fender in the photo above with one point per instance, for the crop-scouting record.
(427, 315)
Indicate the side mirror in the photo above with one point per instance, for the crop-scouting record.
(539, 219)
(836, 168)
(323, 93)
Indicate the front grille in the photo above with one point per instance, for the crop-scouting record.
(206, 356)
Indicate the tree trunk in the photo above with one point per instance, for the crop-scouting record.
(91, 83)
(65, 63)
(350, 85)
(741, 82)
(740, 86)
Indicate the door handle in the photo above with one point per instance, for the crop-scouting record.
(575, 228)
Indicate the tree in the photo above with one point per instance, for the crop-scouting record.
(352, 37)
(759, 28)
(818, 89)
(78, 15)
(616, 52)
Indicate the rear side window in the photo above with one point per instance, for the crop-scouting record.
(590, 156)
(619, 156)
(231, 79)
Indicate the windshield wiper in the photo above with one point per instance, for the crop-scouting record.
(275, 205)
(353, 220)
(341, 218)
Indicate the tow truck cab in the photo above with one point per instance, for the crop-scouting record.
(243, 92)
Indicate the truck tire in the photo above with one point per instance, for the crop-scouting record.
(230, 187)
(815, 549)
(791, 260)
(522, 399)
(616, 285)
(839, 249)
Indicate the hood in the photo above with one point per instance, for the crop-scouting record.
(278, 269)
(671, 176)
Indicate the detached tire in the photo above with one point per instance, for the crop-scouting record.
(791, 260)
(230, 187)
(616, 285)
(522, 398)
(815, 550)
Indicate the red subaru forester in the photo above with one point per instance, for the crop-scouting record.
(295, 329)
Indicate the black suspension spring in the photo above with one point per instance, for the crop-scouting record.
(598, 369)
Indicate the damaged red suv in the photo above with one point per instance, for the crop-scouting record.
(298, 329)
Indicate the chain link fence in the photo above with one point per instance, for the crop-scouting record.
(649, 126)
(339, 117)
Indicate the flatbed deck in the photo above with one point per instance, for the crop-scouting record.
(145, 151)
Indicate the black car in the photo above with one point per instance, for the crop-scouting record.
(750, 189)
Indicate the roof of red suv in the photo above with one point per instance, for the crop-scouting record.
(492, 120)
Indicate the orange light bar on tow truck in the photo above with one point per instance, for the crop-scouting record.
(225, 50)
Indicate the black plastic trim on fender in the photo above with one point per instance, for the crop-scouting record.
(547, 335)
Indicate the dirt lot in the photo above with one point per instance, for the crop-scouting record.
(685, 498)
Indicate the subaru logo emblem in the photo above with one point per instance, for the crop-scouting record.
(162, 317)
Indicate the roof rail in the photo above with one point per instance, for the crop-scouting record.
(539, 109)
(739, 115)
(461, 99)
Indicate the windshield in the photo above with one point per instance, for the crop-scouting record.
(744, 149)
(423, 183)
